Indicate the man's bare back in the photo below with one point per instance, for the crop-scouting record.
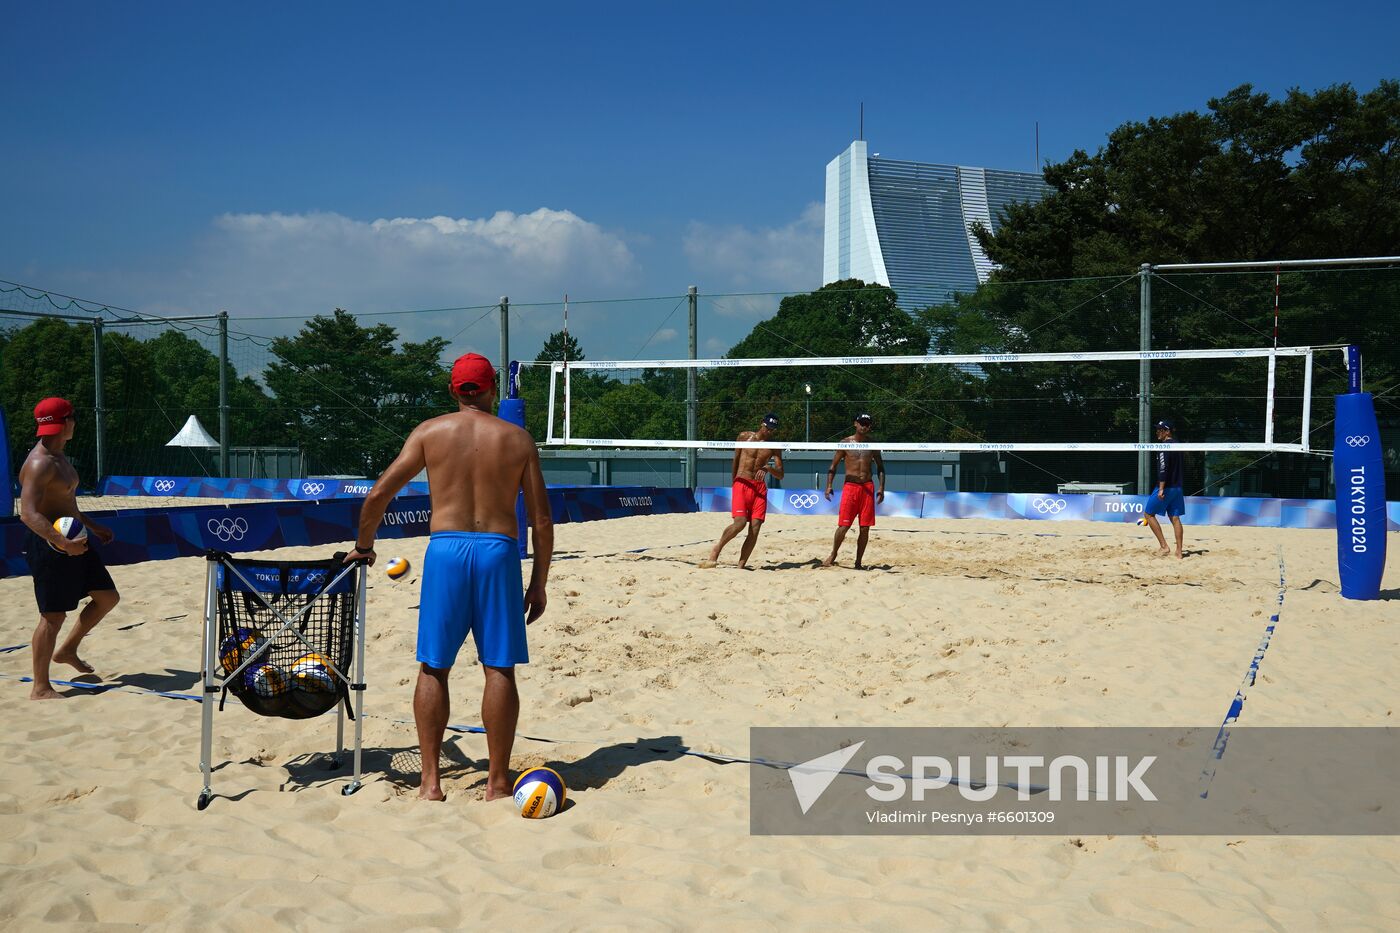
(476, 464)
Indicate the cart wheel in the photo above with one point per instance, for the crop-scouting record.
(349, 789)
(204, 799)
(332, 763)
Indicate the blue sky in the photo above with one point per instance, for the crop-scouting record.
(283, 159)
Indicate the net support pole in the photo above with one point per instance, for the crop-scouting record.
(1144, 376)
(1269, 402)
(99, 402)
(504, 358)
(223, 393)
(1359, 471)
(691, 402)
(1306, 440)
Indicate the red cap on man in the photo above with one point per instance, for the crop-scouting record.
(49, 416)
(472, 373)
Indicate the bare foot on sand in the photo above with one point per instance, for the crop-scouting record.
(431, 793)
(829, 562)
(707, 564)
(44, 693)
(495, 791)
(1164, 552)
(72, 660)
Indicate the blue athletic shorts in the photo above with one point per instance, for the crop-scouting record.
(471, 583)
(1173, 505)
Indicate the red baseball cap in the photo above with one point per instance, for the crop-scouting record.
(472, 373)
(49, 416)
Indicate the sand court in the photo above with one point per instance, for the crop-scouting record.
(643, 656)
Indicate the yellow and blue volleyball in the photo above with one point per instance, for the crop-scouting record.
(539, 792)
(313, 672)
(266, 680)
(242, 643)
(70, 528)
(397, 567)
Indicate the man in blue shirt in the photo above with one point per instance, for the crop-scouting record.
(1168, 499)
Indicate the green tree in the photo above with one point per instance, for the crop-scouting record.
(560, 346)
(846, 318)
(1251, 178)
(352, 394)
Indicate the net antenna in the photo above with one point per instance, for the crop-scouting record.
(974, 367)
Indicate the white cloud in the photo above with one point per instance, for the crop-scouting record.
(665, 334)
(786, 258)
(305, 264)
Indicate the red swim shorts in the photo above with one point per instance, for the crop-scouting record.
(749, 500)
(857, 499)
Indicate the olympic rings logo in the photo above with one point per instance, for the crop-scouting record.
(313, 489)
(163, 485)
(1358, 440)
(228, 529)
(1049, 506)
(804, 501)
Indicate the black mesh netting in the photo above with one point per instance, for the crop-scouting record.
(293, 669)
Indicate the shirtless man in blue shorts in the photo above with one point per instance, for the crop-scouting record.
(1168, 498)
(476, 464)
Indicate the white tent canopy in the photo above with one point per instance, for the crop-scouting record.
(192, 435)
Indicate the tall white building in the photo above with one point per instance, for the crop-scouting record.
(908, 225)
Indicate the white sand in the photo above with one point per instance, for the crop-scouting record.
(962, 623)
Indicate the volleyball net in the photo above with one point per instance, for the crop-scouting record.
(1244, 400)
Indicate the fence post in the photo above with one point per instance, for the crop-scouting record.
(223, 393)
(503, 364)
(99, 402)
(1144, 377)
(691, 402)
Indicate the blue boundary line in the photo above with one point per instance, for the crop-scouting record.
(12, 648)
(1232, 715)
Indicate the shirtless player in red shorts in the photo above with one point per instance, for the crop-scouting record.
(858, 495)
(749, 503)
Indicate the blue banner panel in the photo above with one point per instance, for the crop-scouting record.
(189, 531)
(1358, 470)
(965, 505)
(1117, 508)
(310, 489)
(1045, 507)
(804, 502)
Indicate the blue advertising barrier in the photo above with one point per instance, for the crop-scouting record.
(1200, 510)
(188, 531)
(309, 489)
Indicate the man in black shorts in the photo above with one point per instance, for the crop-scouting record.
(64, 571)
